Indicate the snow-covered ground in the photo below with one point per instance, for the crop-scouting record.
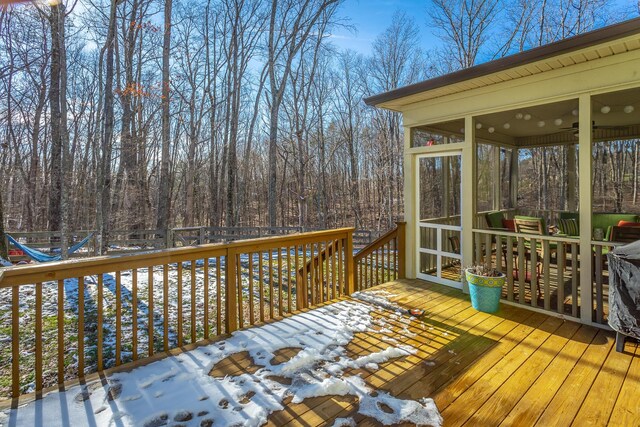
(179, 389)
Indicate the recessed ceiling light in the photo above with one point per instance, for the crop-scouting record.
(527, 116)
(506, 125)
(557, 122)
(574, 112)
(478, 125)
(518, 116)
(605, 109)
(629, 109)
(541, 124)
(491, 129)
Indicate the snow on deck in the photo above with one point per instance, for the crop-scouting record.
(180, 389)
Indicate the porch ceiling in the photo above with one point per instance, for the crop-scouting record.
(554, 124)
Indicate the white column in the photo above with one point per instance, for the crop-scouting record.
(497, 187)
(585, 165)
(468, 200)
(410, 203)
(571, 177)
(514, 177)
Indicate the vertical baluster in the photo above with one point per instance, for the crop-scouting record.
(61, 332)
(396, 257)
(487, 249)
(280, 312)
(340, 269)
(270, 284)
(304, 294)
(534, 273)
(522, 269)
(261, 286)
(118, 316)
(298, 276)
(15, 341)
(289, 250)
(81, 327)
(478, 241)
(377, 267)
(150, 308)
(560, 256)
(510, 271)
(193, 301)
(313, 275)
(574, 281)
(180, 320)
(499, 266)
(134, 313)
(252, 319)
(599, 298)
(324, 267)
(205, 296)
(38, 338)
(240, 296)
(371, 270)
(546, 268)
(218, 295)
(334, 254)
(165, 307)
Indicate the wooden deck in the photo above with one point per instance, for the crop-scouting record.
(514, 368)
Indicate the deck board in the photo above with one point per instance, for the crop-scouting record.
(516, 367)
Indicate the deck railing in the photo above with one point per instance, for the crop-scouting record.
(75, 318)
(600, 275)
(381, 261)
(546, 277)
(129, 241)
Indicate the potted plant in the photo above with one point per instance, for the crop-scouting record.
(485, 287)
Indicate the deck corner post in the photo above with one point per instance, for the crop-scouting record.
(349, 269)
(468, 203)
(231, 290)
(585, 207)
(402, 249)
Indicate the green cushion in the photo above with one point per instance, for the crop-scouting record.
(602, 220)
(569, 227)
(494, 219)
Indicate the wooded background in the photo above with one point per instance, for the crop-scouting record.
(157, 113)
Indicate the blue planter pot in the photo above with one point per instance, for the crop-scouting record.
(485, 291)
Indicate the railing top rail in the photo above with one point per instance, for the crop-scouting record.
(497, 232)
(29, 274)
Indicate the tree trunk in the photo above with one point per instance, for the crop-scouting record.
(164, 199)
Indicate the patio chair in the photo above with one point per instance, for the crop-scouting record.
(534, 226)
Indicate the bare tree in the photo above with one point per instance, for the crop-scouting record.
(164, 200)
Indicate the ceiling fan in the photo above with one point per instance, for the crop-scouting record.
(575, 126)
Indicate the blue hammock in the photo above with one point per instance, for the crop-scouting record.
(5, 263)
(41, 256)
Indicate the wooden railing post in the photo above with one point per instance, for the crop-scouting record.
(231, 279)
(349, 265)
(402, 250)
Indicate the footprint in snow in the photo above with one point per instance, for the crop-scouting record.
(133, 397)
(183, 416)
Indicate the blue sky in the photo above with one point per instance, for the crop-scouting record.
(371, 17)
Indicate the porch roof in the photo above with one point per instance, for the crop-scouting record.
(607, 41)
